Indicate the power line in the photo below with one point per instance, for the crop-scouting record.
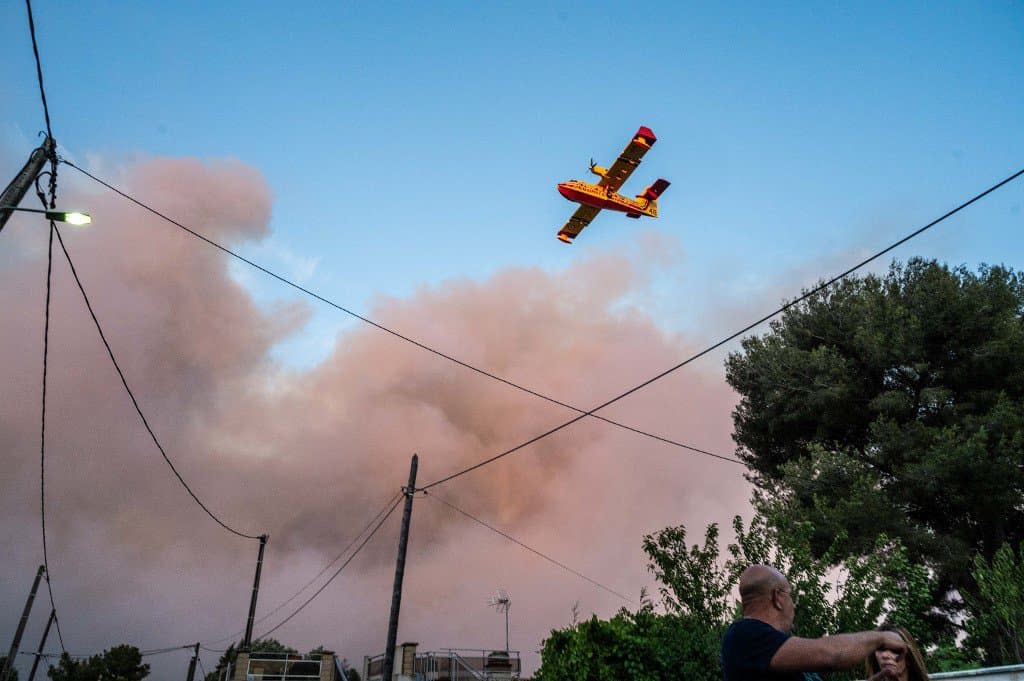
(79, 656)
(336, 572)
(159, 651)
(528, 548)
(730, 337)
(39, 67)
(42, 433)
(135, 402)
(318, 575)
(396, 334)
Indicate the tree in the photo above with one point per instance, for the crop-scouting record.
(120, 663)
(12, 674)
(69, 669)
(998, 623)
(893, 404)
(639, 645)
(697, 585)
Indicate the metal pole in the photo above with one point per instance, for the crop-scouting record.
(192, 664)
(42, 643)
(506, 628)
(16, 190)
(247, 641)
(396, 594)
(9, 662)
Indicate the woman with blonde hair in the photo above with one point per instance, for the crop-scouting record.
(906, 666)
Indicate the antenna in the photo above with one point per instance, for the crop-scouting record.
(501, 601)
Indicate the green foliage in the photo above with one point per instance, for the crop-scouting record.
(272, 645)
(696, 587)
(950, 657)
(13, 674)
(692, 583)
(69, 669)
(641, 646)
(998, 624)
(894, 405)
(120, 663)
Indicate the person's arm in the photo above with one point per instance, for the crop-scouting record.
(830, 653)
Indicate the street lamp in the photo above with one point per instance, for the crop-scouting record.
(72, 217)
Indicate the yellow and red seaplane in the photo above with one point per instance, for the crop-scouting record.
(594, 197)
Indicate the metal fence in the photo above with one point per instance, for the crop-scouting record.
(282, 668)
(456, 664)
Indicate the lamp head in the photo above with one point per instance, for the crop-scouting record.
(75, 218)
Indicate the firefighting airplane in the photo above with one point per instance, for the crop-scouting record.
(593, 197)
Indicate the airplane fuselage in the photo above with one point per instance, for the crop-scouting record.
(599, 197)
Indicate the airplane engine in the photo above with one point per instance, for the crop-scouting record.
(599, 170)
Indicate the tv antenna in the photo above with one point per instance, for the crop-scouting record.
(501, 601)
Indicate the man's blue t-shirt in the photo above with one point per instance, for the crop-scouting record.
(747, 649)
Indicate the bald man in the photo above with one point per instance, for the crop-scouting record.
(759, 647)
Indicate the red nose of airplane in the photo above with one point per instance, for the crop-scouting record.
(564, 190)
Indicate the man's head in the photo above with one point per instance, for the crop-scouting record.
(766, 595)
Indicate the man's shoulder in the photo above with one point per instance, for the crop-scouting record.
(752, 637)
(752, 626)
(747, 650)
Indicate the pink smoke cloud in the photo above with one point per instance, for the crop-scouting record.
(309, 455)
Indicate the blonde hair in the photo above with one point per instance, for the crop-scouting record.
(915, 663)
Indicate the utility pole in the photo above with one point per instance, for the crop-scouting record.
(192, 664)
(42, 644)
(396, 594)
(9, 662)
(247, 641)
(16, 190)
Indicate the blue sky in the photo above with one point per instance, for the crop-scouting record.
(407, 145)
(410, 144)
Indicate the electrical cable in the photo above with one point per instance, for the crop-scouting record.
(710, 348)
(151, 653)
(135, 402)
(39, 67)
(52, 155)
(528, 548)
(168, 649)
(202, 669)
(394, 333)
(42, 434)
(318, 575)
(336, 572)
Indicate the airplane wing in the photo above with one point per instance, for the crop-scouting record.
(627, 162)
(580, 219)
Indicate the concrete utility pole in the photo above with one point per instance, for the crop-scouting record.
(16, 190)
(247, 641)
(396, 594)
(42, 644)
(192, 664)
(9, 662)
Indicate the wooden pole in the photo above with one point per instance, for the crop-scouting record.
(396, 594)
(16, 643)
(247, 641)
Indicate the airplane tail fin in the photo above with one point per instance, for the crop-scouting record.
(655, 190)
